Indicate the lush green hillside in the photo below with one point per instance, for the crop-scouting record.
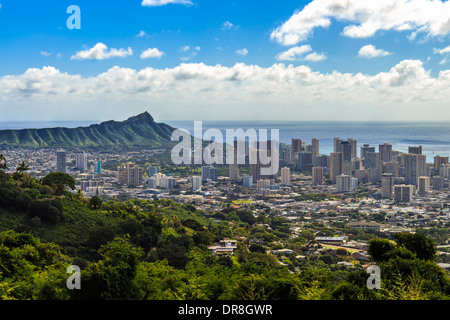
(140, 249)
(140, 130)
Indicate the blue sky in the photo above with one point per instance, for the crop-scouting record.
(243, 59)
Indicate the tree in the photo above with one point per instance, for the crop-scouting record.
(47, 210)
(379, 249)
(417, 243)
(246, 216)
(58, 181)
(31, 269)
(193, 224)
(341, 252)
(95, 202)
(22, 167)
(257, 248)
(3, 164)
(203, 237)
(113, 276)
(100, 236)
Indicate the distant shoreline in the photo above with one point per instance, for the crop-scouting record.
(433, 136)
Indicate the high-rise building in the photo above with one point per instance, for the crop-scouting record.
(61, 159)
(162, 181)
(196, 183)
(346, 149)
(444, 171)
(356, 164)
(354, 144)
(209, 172)
(262, 184)
(247, 181)
(315, 147)
(135, 176)
(387, 185)
(353, 183)
(437, 182)
(372, 160)
(130, 175)
(285, 176)
(348, 168)
(213, 173)
(365, 149)
(305, 161)
(285, 152)
(391, 167)
(98, 167)
(361, 175)
(240, 151)
(385, 150)
(152, 183)
(336, 164)
(438, 161)
(81, 161)
(317, 175)
(337, 145)
(257, 167)
(415, 150)
(296, 145)
(415, 166)
(234, 171)
(321, 161)
(346, 183)
(404, 193)
(423, 186)
(373, 175)
(205, 172)
(152, 171)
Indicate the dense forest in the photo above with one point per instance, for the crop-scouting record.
(158, 249)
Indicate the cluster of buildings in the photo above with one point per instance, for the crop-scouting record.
(401, 175)
(386, 173)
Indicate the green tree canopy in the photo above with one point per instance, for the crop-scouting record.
(22, 167)
(3, 164)
(379, 249)
(59, 181)
(95, 202)
(417, 243)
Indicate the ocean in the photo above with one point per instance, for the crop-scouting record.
(433, 137)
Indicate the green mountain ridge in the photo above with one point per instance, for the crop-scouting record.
(137, 131)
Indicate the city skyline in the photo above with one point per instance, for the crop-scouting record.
(304, 60)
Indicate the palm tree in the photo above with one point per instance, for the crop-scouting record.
(3, 164)
(22, 167)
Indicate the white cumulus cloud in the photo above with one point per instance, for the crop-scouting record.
(100, 52)
(152, 53)
(369, 51)
(442, 51)
(297, 54)
(242, 52)
(315, 57)
(407, 91)
(365, 17)
(227, 25)
(188, 50)
(141, 34)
